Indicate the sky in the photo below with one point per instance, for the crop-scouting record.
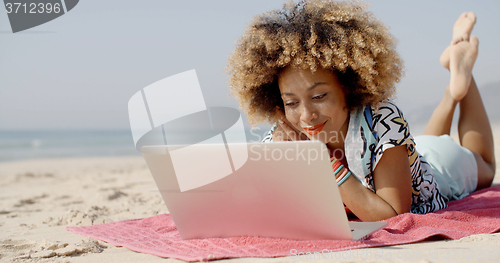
(78, 71)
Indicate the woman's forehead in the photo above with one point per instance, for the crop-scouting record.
(296, 78)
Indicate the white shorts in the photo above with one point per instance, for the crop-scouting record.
(454, 167)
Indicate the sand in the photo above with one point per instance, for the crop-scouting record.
(39, 198)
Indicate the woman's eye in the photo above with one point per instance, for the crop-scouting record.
(290, 104)
(319, 96)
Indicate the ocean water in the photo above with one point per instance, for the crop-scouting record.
(21, 145)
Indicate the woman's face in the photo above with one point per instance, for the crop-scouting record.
(315, 103)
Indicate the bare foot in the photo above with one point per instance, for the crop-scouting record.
(461, 32)
(462, 58)
(463, 27)
(445, 58)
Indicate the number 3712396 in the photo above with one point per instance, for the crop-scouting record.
(32, 8)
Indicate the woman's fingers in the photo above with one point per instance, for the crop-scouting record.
(279, 135)
(290, 132)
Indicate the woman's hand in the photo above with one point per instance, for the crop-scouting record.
(286, 131)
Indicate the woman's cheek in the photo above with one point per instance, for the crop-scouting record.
(292, 117)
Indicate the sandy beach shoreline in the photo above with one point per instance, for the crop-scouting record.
(39, 198)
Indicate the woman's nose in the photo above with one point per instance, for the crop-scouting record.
(308, 113)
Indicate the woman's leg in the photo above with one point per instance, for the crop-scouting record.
(475, 134)
(473, 127)
(440, 121)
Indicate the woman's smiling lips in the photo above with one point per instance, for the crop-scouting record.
(313, 130)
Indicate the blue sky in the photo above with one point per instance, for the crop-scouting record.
(79, 71)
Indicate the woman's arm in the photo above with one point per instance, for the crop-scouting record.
(392, 179)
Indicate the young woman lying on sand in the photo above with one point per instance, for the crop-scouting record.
(322, 70)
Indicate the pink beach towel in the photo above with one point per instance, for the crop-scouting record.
(478, 213)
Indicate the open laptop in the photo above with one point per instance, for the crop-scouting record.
(281, 190)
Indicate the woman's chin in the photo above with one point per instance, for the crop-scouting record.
(318, 138)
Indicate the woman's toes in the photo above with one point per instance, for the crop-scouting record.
(461, 37)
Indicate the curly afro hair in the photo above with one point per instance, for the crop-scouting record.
(338, 36)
